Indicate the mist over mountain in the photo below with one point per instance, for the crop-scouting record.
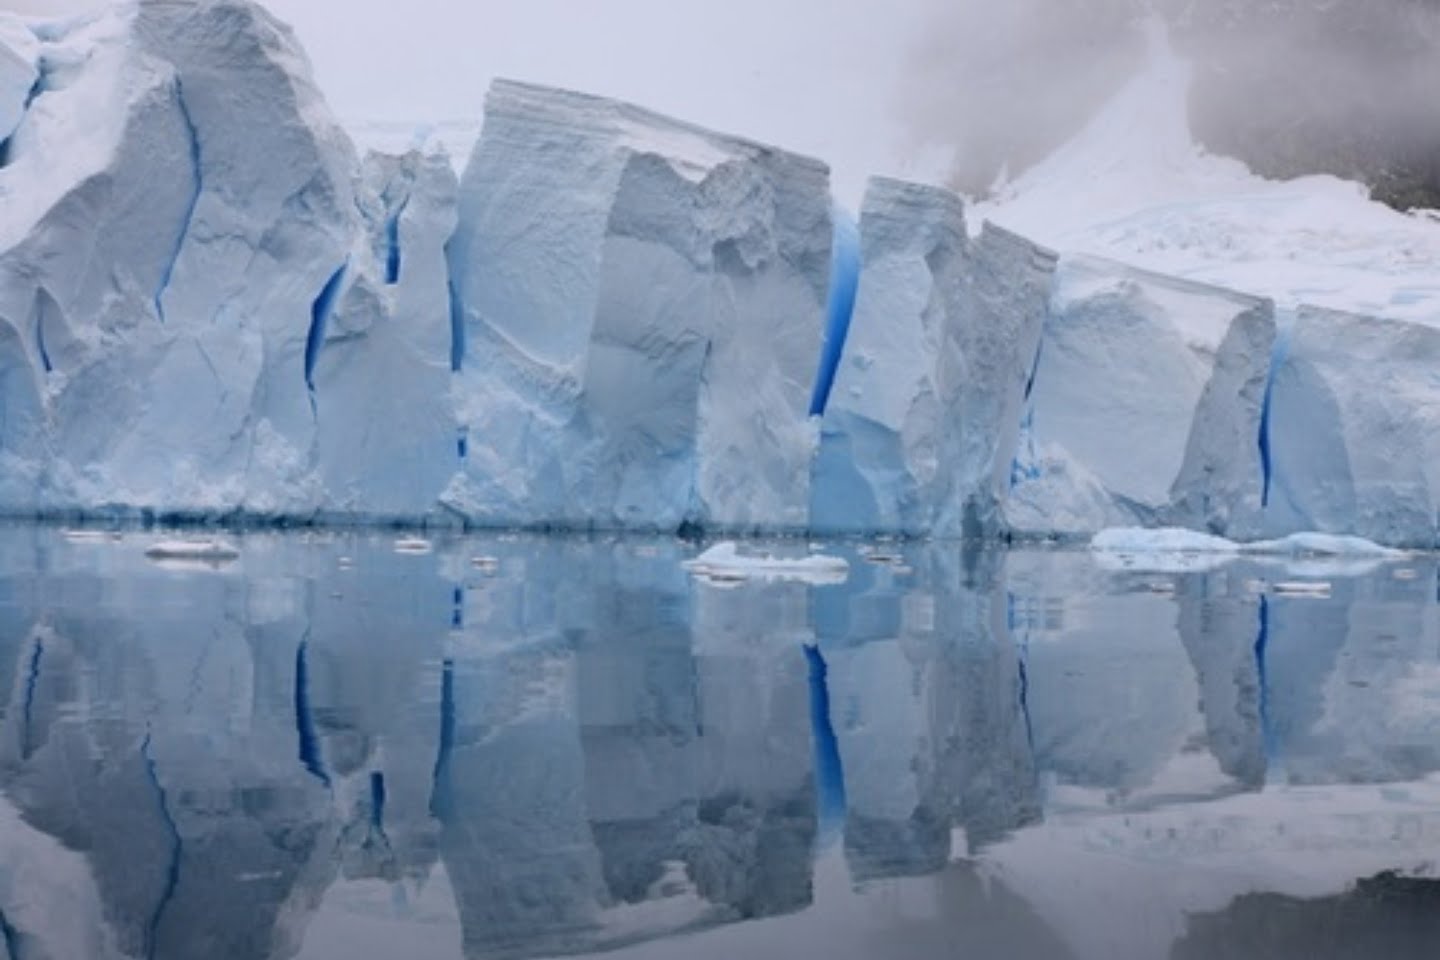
(1290, 87)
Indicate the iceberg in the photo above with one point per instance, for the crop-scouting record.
(920, 430)
(640, 309)
(1357, 455)
(724, 561)
(162, 245)
(1147, 407)
(387, 439)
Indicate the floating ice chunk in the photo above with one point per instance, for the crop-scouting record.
(208, 550)
(414, 546)
(1175, 549)
(90, 536)
(1314, 589)
(1162, 540)
(1320, 545)
(724, 562)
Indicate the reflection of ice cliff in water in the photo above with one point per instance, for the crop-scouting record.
(593, 749)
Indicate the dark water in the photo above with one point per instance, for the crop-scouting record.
(529, 748)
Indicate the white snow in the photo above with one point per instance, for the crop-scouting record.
(1134, 187)
(724, 561)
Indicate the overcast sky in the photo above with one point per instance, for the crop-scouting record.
(818, 76)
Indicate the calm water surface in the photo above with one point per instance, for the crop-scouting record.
(529, 747)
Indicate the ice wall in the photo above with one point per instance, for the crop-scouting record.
(1352, 413)
(211, 307)
(1146, 406)
(920, 430)
(641, 307)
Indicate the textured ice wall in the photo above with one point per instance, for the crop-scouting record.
(641, 305)
(1146, 406)
(1352, 426)
(920, 430)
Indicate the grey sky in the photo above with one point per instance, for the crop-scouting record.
(818, 76)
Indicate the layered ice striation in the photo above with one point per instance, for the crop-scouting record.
(1147, 406)
(920, 429)
(1353, 411)
(161, 245)
(641, 308)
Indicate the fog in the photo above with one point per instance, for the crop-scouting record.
(955, 90)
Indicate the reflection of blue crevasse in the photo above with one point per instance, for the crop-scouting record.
(194, 139)
(457, 609)
(829, 774)
(42, 299)
(1018, 625)
(457, 329)
(440, 807)
(32, 680)
(320, 313)
(1026, 463)
(172, 872)
(844, 284)
(377, 803)
(462, 444)
(310, 756)
(1277, 357)
(10, 937)
(392, 244)
(1262, 642)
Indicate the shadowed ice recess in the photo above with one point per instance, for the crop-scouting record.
(515, 747)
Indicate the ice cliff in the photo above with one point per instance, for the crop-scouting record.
(211, 305)
(638, 319)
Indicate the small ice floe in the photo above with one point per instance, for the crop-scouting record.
(344, 563)
(881, 556)
(206, 551)
(414, 546)
(724, 563)
(1176, 550)
(89, 536)
(486, 565)
(1313, 589)
(1405, 573)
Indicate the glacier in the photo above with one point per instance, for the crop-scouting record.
(641, 319)
(1172, 433)
(922, 424)
(216, 307)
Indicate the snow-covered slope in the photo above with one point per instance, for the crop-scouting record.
(1134, 187)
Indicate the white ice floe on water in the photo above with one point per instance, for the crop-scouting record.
(415, 546)
(725, 563)
(1172, 549)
